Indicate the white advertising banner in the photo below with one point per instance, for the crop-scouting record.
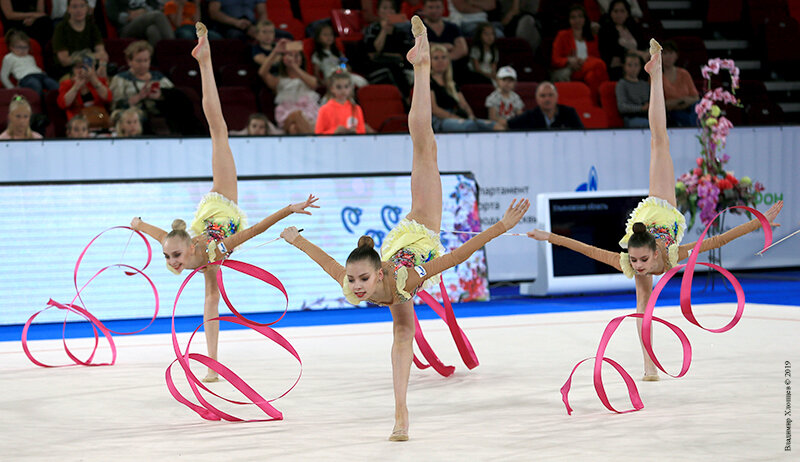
(505, 165)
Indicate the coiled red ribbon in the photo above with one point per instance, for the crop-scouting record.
(96, 324)
(462, 342)
(205, 409)
(648, 318)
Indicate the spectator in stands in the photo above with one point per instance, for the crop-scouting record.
(152, 93)
(327, 59)
(443, 32)
(78, 127)
(296, 101)
(28, 16)
(127, 123)
(18, 63)
(618, 35)
(58, 8)
(576, 55)
(183, 15)
(636, 11)
(470, 14)
(19, 121)
(265, 43)
(451, 112)
(633, 94)
(85, 92)
(341, 114)
(504, 103)
(680, 93)
(518, 20)
(236, 19)
(77, 32)
(548, 114)
(387, 40)
(483, 55)
(140, 19)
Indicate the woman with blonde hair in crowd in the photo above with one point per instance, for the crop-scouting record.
(451, 112)
(19, 121)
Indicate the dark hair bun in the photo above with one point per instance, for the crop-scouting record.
(639, 227)
(366, 241)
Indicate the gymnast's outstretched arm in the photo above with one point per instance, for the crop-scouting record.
(735, 233)
(325, 261)
(231, 242)
(153, 231)
(595, 253)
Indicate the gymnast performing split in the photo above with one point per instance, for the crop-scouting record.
(218, 224)
(411, 255)
(655, 227)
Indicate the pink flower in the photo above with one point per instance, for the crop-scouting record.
(700, 161)
(698, 172)
(703, 106)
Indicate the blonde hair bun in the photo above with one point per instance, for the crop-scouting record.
(178, 225)
(366, 241)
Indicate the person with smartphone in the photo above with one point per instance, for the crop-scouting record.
(152, 93)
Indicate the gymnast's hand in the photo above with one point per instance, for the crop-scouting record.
(136, 222)
(772, 213)
(515, 213)
(290, 234)
(300, 207)
(539, 235)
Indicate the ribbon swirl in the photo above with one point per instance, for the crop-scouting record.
(648, 318)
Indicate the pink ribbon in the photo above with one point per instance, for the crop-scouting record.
(96, 324)
(205, 409)
(648, 318)
(462, 342)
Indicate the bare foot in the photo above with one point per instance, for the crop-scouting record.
(654, 65)
(202, 52)
(421, 53)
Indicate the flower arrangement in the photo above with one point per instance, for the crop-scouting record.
(709, 187)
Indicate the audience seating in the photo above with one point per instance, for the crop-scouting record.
(379, 103)
(608, 101)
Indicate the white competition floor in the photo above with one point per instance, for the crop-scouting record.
(730, 406)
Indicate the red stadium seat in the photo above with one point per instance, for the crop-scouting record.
(764, 113)
(116, 50)
(574, 94)
(314, 10)
(238, 103)
(780, 40)
(379, 103)
(527, 91)
(724, 11)
(230, 51)
(476, 94)
(279, 10)
(349, 24)
(292, 26)
(177, 52)
(239, 75)
(56, 115)
(592, 116)
(266, 102)
(608, 101)
(186, 76)
(394, 124)
(517, 53)
(794, 9)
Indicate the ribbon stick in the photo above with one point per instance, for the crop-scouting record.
(205, 409)
(448, 316)
(648, 318)
(81, 311)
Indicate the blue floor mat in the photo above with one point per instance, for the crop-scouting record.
(776, 288)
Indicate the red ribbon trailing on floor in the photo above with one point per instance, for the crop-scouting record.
(205, 409)
(96, 324)
(462, 343)
(648, 318)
